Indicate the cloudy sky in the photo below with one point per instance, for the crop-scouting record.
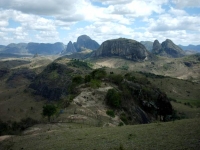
(64, 20)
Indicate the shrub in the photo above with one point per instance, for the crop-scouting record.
(117, 79)
(95, 83)
(110, 113)
(120, 124)
(87, 78)
(98, 74)
(16, 127)
(124, 118)
(113, 98)
(77, 80)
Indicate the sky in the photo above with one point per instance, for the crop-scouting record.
(50, 21)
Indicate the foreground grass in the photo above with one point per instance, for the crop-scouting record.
(183, 134)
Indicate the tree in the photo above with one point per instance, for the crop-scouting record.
(113, 98)
(49, 110)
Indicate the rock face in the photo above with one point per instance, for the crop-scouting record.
(85, 41)
(125, 48)
(157, 48)
(70, 48)
(167, 49)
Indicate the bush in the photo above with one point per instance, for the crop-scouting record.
(117, 79)
(87, 78)
(110, 113)
(98, 74)
(95, 83)
(120, 124)
(124, 118)
(77, 80)
(113, 98)
(14, 128)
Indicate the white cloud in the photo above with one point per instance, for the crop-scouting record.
(40, 20)
(167, 22)
(177, 12)
(186, 3)
(47, 36)
(101, 31)
(138, 8)
(113, 2)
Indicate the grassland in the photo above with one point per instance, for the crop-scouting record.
(183, 134)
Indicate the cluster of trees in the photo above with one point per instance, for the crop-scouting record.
(13, 127)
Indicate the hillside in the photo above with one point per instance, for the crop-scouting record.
(187, 68)
(183, 134)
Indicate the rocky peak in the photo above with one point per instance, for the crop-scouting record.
(167, 49)
(156, 47)
(70, 48)
(85, 42)
(126, 48)
(172, 49)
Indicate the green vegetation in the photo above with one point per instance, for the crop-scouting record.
(95, 83)
(78, 80)
(98, 74)
(13, 127)
(49, 110)
(113, 98)
(116, 78)
(110, 113)
(79, 64)
(124, 118)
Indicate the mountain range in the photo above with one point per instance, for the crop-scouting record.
(122, 47)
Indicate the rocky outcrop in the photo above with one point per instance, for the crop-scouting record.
(157, 48)
(125, 48)
(70, 49)
(171, 49)
(167, 49)
(85, 42)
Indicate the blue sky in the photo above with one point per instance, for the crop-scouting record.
(50, 21)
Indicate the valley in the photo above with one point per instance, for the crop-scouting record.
(151, 98)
